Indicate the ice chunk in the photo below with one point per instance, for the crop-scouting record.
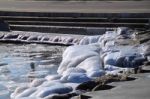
(37, 82)
(122, 30)
(18, 91)
(11, 36)
(44, 39)
(60, 89)
(75, 78)
(110, 58)
(52, 77)
(75, 55)
(89, 40)
(27, 92)
(92, 63)
(56, 39)
(33, 38)
(126, 56)
(97, 73)
(67, 40)
(73, 70)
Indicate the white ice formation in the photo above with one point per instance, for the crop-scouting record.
(61, 40)
(93, 57)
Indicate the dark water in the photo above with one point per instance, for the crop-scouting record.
(15, 61)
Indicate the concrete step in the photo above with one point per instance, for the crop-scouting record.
(60, 29)
(75, 15)
(74, 23)
(71, 19)
(80, 24)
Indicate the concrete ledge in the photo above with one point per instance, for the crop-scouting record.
(61, 29)
(75, 15)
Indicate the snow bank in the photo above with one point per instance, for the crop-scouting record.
(74, 56)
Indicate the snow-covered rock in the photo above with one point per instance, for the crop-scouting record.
(74, 56)
(26, 93)
(55, 89)
(37, 82)
(52, 77)
(89, 40)
(18, 91)
(75, 78)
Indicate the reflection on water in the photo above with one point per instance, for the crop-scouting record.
(15, 61)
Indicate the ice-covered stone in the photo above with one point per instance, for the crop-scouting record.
(97, 73)
(75, 78)
(74, 55)
(116, 69)
(25, 37)
(122, 30)
(11, 36)
(44, 39)
(55, 89)
(145, 49)
(52, 77)
(68, 40)
(33, 38)
(49, 83)
(38, 74)
(1, 36)
(95, 56)
(126, 56)
(89, 40)
(26, 92)
(37, 82)
(73, 70)
(28, 98)
(56, 39)
(110, 58)
(46, 84)
(75, 41)
(18, 91)
(92, 63)
(51, 96)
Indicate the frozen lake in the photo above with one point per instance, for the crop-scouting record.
(15, 62)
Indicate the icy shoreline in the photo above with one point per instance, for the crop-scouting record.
(39, 38)
(114, 53)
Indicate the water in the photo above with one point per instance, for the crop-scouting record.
(15, 61)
